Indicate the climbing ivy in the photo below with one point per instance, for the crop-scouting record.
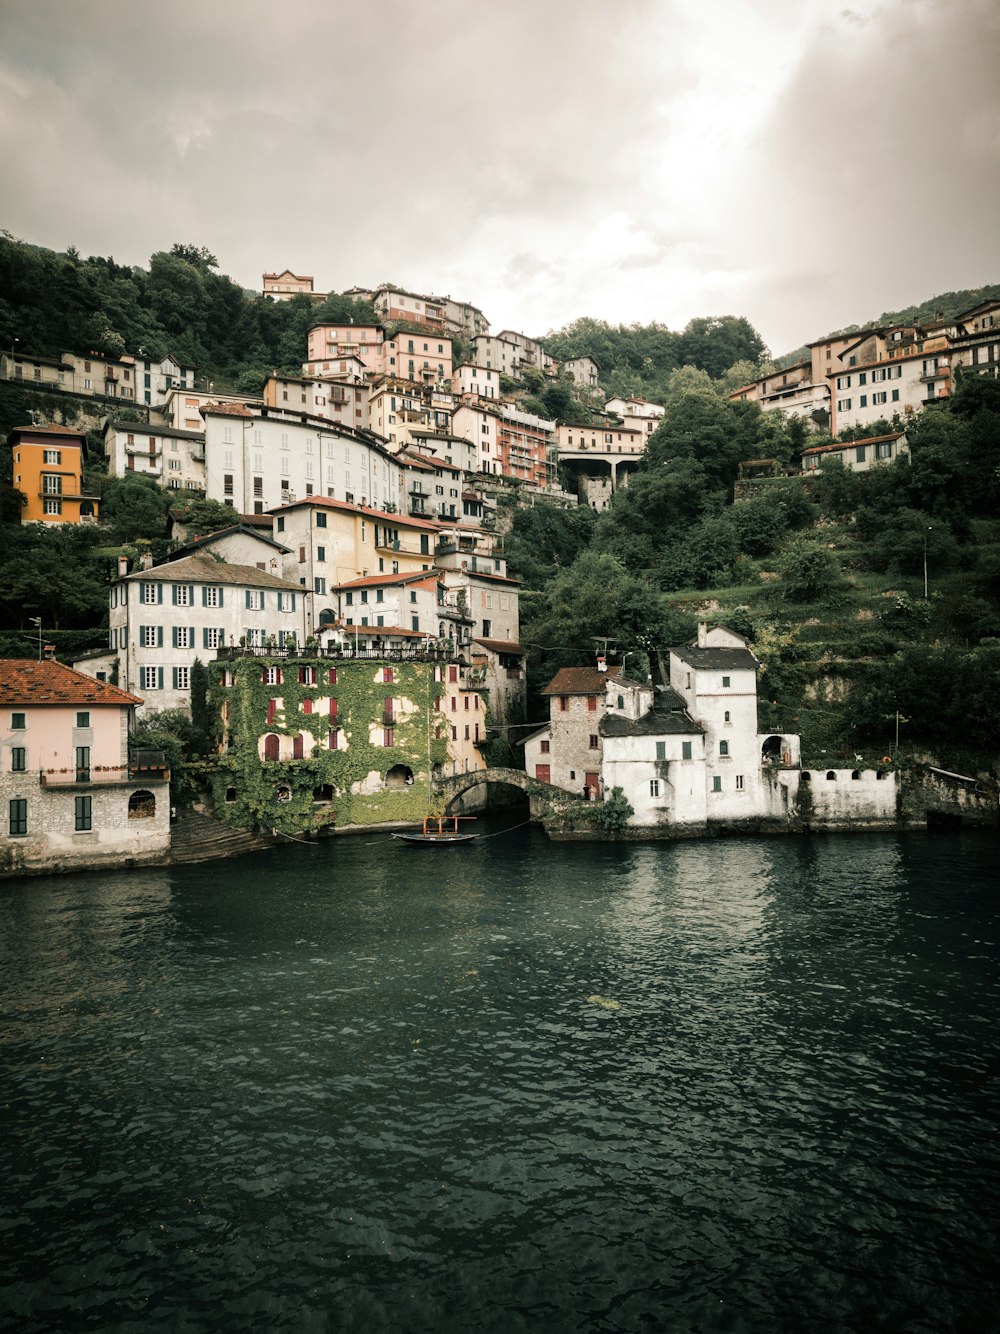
(361, 695)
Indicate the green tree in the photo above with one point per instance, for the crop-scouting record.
(809, 571)
(135, 507)
(202, 516)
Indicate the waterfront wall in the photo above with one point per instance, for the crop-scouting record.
(118, 837)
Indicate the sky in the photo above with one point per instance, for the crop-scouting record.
(803, 165)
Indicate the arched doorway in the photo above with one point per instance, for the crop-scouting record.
(770, 751)
(400, 775)
(271, 746)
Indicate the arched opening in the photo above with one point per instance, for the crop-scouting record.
(283, 793)
(831, 776)
(230, 794)
(770, 751)
(141, 806)
(400, 775)
(856, 775)
(323, 794)
(298, 747)
(271, 746)
(806, 776)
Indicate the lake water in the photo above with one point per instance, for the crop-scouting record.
(733, 1085)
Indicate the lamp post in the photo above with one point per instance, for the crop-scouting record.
(929, 529)
(37, 621)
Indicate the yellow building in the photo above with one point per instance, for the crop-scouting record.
(48, 469)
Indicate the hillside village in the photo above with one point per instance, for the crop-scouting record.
(354, 634)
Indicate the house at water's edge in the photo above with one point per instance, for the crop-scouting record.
(309, 743)
(73, 795)
(690, 759)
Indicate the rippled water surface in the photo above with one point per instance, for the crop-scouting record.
(747, 1085)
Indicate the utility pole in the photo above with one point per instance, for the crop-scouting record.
(37, 621)
(929, 529)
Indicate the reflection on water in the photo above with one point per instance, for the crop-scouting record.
(365, 1087)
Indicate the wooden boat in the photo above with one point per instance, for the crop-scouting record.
(440, 837)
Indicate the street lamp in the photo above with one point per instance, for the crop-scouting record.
(37, 621)
(929, 529)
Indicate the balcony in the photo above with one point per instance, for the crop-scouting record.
(143, 767)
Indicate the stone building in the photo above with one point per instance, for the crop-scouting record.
(73, 794)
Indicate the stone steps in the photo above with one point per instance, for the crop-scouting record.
(195, 837)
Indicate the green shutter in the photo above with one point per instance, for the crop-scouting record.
(159, 671)
(247, 595)
(173, 631)
(222, 597)
(159, 636)
(159, 592)
(204, 595)
(173, 594)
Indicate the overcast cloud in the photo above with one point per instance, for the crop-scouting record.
(632, 160)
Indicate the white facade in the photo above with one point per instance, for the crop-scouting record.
(163, 618)
(257, 462)
(173, 458)
(480, 381)
(481, 428)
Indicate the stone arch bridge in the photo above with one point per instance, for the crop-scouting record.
(543, 798)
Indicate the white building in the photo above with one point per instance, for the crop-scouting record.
(257, 461)
(478, 381)
(164, 617)
(173, 458)
(857, 455)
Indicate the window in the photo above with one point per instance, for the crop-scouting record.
(150, 636)
(84, 814)
(255, 599)
(18, 818)
(861, 451)
(716, 783)
(183, 636)
(593, 741)
(319, 585)
(18, 759)
(685, 750)
(271, 676)
(213, 637)
(52, 486)
(181, 595)
(895, 396)
(17, 722)
(150, 678)
(725, 716)
(725, 683)
(182, 678)
(654, 787)
(563, 703)
(52, 506)
(54, 456)
(545, 747)
(661, 750)
(843, 405)
(83, 719)
(211, 597)
(150, 593)
(863, 401)
(321, 554)
(591, 703)
(739, 782)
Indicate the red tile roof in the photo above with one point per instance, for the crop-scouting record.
(428, 577)
(24, 681)
(580, 681)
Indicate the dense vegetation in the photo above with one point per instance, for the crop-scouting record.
(825, 575)
(54, 303)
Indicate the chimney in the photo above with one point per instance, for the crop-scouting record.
(50, 652)
(702, 634)
(146, 560)
(122, 566)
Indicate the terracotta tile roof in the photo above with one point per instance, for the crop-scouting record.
(500, 646)
(208, 570)
(580, 681)
(227, 409)
(849, 444)
(381, 632)
(366, 511)
(24, 681)
(428, 577)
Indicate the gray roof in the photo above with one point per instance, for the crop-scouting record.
(208, 570)
(717, 659)
(149, 428)
(668, 715)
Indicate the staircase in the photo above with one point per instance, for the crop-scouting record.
(198, 838)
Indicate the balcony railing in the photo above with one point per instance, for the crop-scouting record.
(105, 775)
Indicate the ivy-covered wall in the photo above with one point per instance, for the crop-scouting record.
(282, 794)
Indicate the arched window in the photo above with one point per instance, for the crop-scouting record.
(806, 776)
(141, 806)
(856, 775)
(726, 717)
(298, 747)
(271, 745)
(723, 747)
(831, 776)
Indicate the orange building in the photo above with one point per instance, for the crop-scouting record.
(48, 469)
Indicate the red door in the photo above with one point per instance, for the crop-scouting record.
(542, 773)
(593, 781)
(270, 747)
